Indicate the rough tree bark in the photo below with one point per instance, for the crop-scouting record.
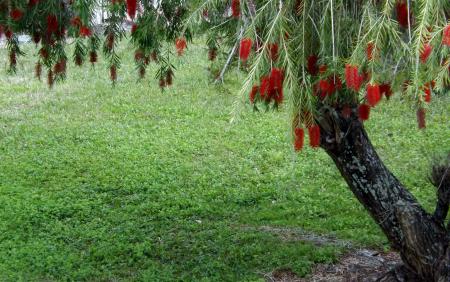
(421, 239)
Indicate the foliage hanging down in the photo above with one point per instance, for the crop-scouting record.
(329, 55)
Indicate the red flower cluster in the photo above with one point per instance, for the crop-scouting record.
(169, 77)
(52, 24)
(43, 53)
(299, 138)
(421, 118)
(402, 13)
(271, 87)
(353, 78)
(369, 50)
(385, 89)
(236, 8)
(312, 67)
(12, 59)
(180, 45)
(373, 94)
(50, 78)
(253, 93)
(38, 70)
(131, 8)
(427, 91)
(85, 31)
(327, 87)
(425, 53)
(212, 53)
(134, 27)
(32, 3)
(93, 57)
(36, 37)
(276, 85)
(113, 73)
(273, 51)
(75, 21)
(8, 33)
(16, 14)
(363, 112)
(446, 36)
(60, 67)
(245, 48)
(314, 136)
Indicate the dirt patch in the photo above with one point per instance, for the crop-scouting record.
(356, 265)
(360, 265)
(297, 234)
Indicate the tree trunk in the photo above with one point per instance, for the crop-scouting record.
(420, 239)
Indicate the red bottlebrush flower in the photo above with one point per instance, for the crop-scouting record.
(52, 24)
(353, 78)
(425, 53)
(162, 83)
(38, 70)
(85, 31)
(245, 48)
(36, 37)
(324, 85)
(212, 53)
(312, 65)
(110, 41)
(180, 45)
(113, 73)
(273, 51)
(373, 94)
(264, 88)
(141, 72)
(50, 78)
(346, 111)
(131, 8)
(12, 59)
(402, 13)
(427, 92)
(336, 82)
(385, 89)
(421, 118)
(169, 77)
(134, 27)
(60, 67)
(349, 76)
(93, 57)
(314, 136)
(369, 50)
(8, 34)
(236, 8)
(138, 55)
(1, 31)
(253, 92)
(33, 3)
(154, 56)
(44, 53)
(446, 36)
(75, 21)
(276, 85)
(78, 60)
(363, 112)
(16, 14)
(299, 139)
(323, 69)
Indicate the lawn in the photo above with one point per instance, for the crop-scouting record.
(131, 183)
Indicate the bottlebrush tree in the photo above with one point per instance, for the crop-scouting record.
(333, 60)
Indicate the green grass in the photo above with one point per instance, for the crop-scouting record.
(128, 183)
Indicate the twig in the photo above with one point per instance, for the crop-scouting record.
(230, 57)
